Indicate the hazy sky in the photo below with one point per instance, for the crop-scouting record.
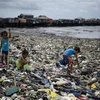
(51, 8)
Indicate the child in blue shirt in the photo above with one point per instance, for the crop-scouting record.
(67, 57)
(5, 45)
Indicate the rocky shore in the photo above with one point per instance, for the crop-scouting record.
(46, 80)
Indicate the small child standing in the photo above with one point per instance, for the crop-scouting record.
(5, 45)
(23, 62)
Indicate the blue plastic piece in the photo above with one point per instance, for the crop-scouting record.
(11, 91)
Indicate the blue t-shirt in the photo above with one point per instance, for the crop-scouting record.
(4, 44)
(69, 52)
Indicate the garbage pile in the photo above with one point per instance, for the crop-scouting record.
(46, 80)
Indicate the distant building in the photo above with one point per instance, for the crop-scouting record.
(42, 17)
(22, 20)
(1, 19)
(1, 22)
(26, 16)
(9, 20)
(80, 20)
(45, 19)
(16, 20)
(49, 20)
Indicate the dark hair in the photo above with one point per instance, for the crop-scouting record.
(24, 52)
(77, 49)
(4, 32)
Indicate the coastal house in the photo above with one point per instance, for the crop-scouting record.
(1, 22)
(35, 21)
(80, 19)
(1, 19)
(49, 20)
(26, 18)
(16, 20)
(91, 21)
(63, 22)
(44, 19)
(22, 20)
(9, 20)
(98, 21)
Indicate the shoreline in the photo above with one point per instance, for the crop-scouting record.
(75, 32)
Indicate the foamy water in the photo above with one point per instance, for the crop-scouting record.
(80, 31)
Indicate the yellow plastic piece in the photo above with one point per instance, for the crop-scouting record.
(53, 94)
(1, 80)
(93, 86)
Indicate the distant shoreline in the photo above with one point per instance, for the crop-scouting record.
(53, 35)
(78, 32)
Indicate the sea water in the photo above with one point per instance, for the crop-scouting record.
(77, 31)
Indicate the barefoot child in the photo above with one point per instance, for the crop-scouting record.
(5, 45)
(23, 62)
(67, 57)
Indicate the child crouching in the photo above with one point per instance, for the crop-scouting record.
(23, 62)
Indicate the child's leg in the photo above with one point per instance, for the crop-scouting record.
(2, 58)
(70, 68)
(6, 58)
(70, 64)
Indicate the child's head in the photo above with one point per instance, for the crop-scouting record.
(24, 53)
(77, 49)
(4, 34)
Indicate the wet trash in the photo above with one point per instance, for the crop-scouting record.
(1, 92)
(83, 98)
(98, 74)
(11, 91)
(44, 78)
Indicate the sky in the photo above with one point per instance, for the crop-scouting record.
(56, 9)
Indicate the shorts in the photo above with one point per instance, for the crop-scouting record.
(5, 52)
(66, 60)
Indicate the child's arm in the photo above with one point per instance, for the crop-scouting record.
(77, 59)
(9, 33)
(27, 60)
(22, 60)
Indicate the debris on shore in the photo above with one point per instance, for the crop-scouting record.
(46, 80)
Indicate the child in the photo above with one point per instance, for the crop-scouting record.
(67, 57)
(23, 62)
(5, 45)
